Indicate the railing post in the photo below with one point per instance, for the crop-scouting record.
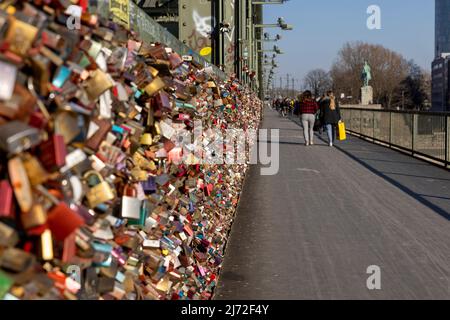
(447, 141)
(373, 126)
(390, 129)
(360, 121)
(414, 130)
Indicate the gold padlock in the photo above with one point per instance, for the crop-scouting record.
(36, 217)
(97, 84)
(158, 128)
(154, 72)
(139, 174)
(36, 173)
(146, 139)
(100, 191)
(156, 85)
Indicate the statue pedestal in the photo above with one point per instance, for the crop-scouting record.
(366, 95)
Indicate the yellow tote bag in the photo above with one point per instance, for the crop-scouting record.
(341, 131)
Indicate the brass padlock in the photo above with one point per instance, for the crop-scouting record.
(139, 174)
(99, 190)
(146, 139)
(156, 85)
(36, 173)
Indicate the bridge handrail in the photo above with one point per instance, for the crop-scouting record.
(421, 112)
(151, 31)
(419, 133)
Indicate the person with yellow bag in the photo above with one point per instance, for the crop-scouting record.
(330, 115)
(341, 133)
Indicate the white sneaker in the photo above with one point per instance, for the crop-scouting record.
(311, 143)
(306, 143)
(331, 144)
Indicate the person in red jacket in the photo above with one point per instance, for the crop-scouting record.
(308, 110)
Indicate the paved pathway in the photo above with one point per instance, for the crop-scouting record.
(312, 231)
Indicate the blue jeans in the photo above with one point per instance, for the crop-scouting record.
(331, 131)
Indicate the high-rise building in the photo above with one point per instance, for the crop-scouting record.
(441, 64)
(442, 27)
(440, 83)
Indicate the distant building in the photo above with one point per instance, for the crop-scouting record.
(442, 27)
(440, 66)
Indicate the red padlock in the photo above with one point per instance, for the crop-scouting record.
(6, 199)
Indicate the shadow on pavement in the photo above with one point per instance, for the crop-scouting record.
(419, 197)
(442, 209)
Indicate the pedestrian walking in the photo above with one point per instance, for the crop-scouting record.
(308, 110)
(330, 115)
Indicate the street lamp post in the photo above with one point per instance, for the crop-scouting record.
(268, 39)
(269, 2)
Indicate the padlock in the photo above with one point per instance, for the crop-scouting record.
(103, 127)
(8, 236)
(131, 205)
(139, 174)
(61, 219)
(20, 183)
(67, 124)
(97, 84)
(53, 153)
(102, 256)
(16, 260)
(99, 190)
(141, 162)
(144, 212)
(16, 137)
(46, 245)
(149, 185)
(157, 52)
(6, 200)
(36, 217)
(163, 101)
(7, 83)
(20, 36)
(36, 173)
(154, 72)
(146, 139)
(175, 60)
(155, 86)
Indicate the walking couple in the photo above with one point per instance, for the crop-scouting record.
(325, 113)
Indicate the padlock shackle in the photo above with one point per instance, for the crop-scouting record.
(127, 188)
(44, 192)
(93, 173)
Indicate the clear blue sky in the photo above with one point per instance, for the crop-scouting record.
(323, 26)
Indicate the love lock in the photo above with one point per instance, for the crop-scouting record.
(99, 190)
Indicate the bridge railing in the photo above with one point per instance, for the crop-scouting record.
(422, 134)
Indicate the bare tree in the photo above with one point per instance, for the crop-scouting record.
(389, 69)
(318, 81)
(415, 90)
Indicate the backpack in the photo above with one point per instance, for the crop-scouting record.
(297, 108)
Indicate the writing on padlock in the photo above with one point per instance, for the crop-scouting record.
(99, 190)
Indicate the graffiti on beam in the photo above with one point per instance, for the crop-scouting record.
(203, 25)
